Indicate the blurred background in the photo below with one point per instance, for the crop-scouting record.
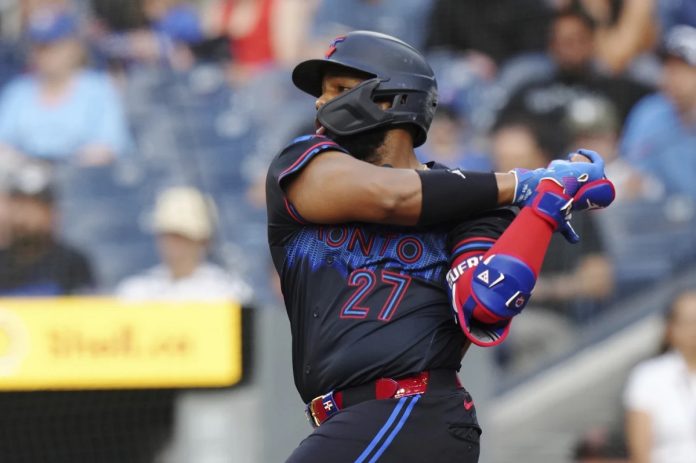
(118, 117)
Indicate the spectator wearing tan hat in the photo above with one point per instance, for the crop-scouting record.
(184, 221)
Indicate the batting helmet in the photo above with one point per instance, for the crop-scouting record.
(398, 73)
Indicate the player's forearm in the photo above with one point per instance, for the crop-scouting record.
(489, 290)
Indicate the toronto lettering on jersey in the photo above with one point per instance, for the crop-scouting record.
(409, 249)
(348, 247)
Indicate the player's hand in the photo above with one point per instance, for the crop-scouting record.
(566, 229)
(526, 182)
(586, 166)
(594, 195)
(577, 172)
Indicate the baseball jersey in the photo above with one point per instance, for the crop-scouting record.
(365, 301)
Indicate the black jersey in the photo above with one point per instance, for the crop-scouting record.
(364, 300)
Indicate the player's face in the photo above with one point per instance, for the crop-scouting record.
(334, 84)
(337, 82)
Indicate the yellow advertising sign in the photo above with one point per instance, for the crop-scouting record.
(95, 343)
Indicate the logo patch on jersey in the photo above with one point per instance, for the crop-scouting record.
(332, 46)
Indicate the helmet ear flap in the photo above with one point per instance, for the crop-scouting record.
(354, 111)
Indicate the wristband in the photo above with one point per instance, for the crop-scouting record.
(453, 194)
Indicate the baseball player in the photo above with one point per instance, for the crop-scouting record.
(363, 236)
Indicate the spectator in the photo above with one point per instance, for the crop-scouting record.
(259, 32)
(660, 395)
(593, 123)
(625, 29)
(209, 425)
(571, 50)
(660, 133)
(36, 262)
(448, 145)
(406, 19)
(61, 111)
(498, 30)
(184, 220)
(148, 32)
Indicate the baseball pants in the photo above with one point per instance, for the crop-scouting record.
(437, 426)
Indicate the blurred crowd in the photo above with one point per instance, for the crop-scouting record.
(118, 118)
(135, 136)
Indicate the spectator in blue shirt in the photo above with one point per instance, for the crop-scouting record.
(660, 133)
(60, 110)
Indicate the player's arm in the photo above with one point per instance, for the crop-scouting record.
(335, 187)
(489, 288)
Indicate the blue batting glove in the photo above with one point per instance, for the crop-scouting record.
(526, 182)
(594, 195)
(566, 229)
(573, 175)
(593, 156)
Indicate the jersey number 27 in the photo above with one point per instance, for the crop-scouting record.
(364, 281)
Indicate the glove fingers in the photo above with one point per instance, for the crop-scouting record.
(592, 155)
(569, 233)
(594, 195)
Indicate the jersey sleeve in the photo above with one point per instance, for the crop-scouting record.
(475, 236)
(291, 160)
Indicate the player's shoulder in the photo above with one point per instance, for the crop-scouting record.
(309, 143)
(294, 156)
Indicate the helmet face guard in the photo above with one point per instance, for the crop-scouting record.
(358, 110)
(396, 72)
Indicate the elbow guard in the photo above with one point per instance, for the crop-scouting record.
(499, 288)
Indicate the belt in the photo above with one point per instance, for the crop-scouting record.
(325, 406)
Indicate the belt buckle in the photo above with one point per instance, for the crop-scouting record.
(328, 405)
(311, 416)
